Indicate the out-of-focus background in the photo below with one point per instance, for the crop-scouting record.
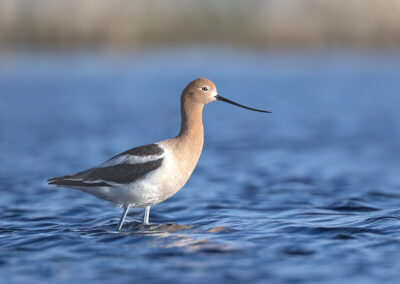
(131, 24)
(308, 194)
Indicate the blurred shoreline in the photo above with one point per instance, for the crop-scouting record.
(260, 24)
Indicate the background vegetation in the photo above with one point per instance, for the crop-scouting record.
(258, 23)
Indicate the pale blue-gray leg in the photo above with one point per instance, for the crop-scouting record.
(146, 215)
(121, 221)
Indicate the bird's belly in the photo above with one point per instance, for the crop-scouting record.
(146, 191)
(153, 188)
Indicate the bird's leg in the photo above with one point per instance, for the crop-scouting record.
(146, 215)
(121, 221)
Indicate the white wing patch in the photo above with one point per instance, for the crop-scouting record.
(83, 180)
(130, 159)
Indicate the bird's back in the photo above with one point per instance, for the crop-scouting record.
(121, 169)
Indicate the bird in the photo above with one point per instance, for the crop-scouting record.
(147, 175)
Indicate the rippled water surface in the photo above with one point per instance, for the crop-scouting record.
(309, 194)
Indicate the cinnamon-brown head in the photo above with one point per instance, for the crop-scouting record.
(200, 91)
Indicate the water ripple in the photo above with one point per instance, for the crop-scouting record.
(310, 194)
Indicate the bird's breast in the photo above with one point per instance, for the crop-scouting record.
(176, 169)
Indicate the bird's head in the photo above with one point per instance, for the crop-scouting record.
(203, 91)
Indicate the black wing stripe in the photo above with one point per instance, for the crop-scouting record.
(124, 173)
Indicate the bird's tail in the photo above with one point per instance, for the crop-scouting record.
(57, 180)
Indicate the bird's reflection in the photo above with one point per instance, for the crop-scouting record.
(187, 237)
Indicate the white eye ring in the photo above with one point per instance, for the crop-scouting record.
(204, 89)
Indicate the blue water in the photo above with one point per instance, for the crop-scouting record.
(309, 194)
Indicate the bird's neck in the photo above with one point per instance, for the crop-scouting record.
(191, 121)
(185, 149)
(191, 133)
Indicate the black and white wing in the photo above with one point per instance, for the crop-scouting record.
(120, 169)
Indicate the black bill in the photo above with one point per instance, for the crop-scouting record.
(218, 97)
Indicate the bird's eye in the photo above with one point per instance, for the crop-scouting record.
(205, 89)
